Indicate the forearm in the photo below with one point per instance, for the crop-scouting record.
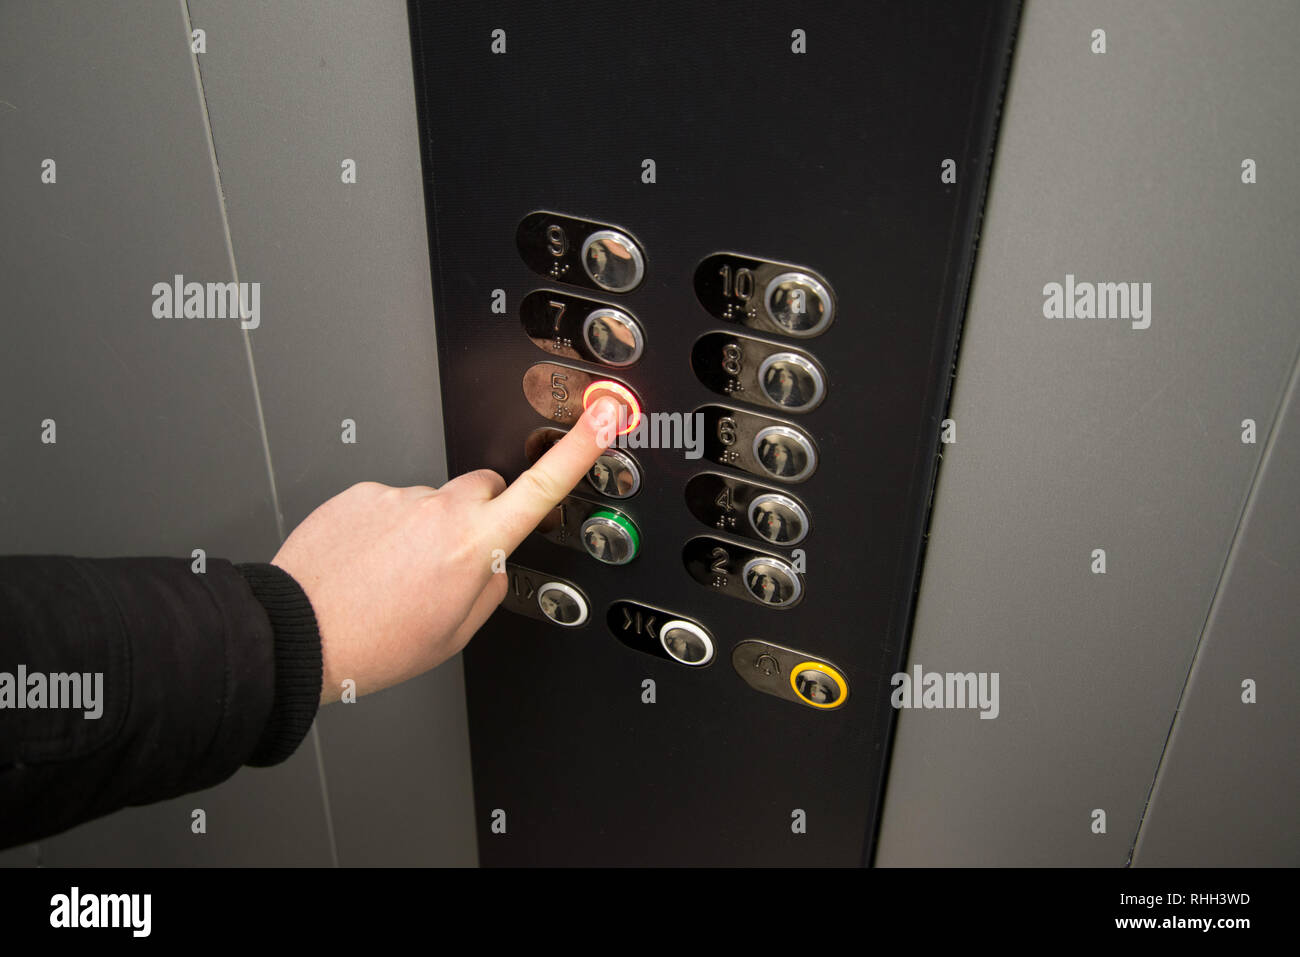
(176, 673)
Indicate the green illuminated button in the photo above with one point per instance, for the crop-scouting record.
(610, 537)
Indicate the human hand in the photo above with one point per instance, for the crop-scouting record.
(400, 579)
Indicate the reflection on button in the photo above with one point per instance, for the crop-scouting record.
(615, 475)
(799, 304)
(778, 519)
(785, 453)
(687, 642)
(818, 685)
(562, 604)
(610, 537)
(791, 381)
(612, 260)
(613, 337)
(772, 581)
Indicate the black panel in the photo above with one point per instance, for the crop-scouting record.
(829, 159)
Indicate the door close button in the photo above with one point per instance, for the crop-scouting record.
(686, 642)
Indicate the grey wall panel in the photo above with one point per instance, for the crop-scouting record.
(159, 448)
(262, 817)
(1075, 435)
(1229, 783)
(293, 89)
(158, 445)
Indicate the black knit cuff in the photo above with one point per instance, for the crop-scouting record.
(298, 665)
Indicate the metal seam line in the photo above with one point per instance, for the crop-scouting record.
(257, 397)
(1290, 396)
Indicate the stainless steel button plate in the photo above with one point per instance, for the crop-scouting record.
(764, 295)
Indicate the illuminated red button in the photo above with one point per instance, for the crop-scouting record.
(620, 394)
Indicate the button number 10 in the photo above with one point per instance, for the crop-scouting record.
(743, 287)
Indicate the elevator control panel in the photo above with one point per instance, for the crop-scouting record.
(779, 376)
(754, 254)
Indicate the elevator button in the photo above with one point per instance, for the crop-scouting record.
(785, 453)
(631, 414)
(561, 393)
(799, 304)
(789, 674)
(615, 474)
(610, 537)
(791, 381)
(771, 581)
(778, 519)
(818, 684)
(686, 642)
(613, 337)
(562, 604)
(746, 369)
(613, 260)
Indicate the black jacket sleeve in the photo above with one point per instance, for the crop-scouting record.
(126, 681)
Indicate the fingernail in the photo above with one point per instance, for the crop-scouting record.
(604, 413)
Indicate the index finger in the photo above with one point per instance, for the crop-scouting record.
(531, 497)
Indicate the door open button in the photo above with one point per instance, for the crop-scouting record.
(562, 604)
